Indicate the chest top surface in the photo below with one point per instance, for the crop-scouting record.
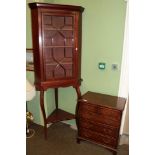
(104, 100)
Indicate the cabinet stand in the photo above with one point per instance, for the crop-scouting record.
(58, 114)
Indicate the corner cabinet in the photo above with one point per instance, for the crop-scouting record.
(56, 33)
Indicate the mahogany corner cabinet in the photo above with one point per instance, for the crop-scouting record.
(56, 36)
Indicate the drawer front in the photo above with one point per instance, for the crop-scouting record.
(98, 138)
(100, 114)
(98, 127)
(101, 110)
(100, 119)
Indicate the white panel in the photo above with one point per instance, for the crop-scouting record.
(124, 83)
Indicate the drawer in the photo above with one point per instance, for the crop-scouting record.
(112, 114)
(98, 138)
(98, 127)
(99, 118)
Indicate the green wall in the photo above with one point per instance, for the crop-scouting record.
(102, 41)
(28, 23)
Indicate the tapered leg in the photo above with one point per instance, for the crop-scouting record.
(56, 98)
(78, 91)
(43, 112)
(114, 153)
(78, 140)
(77, 88)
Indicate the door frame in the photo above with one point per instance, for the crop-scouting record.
(124, 77)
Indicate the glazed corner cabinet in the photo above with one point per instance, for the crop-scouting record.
(56, 35)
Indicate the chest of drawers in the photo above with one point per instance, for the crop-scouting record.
(98, 118)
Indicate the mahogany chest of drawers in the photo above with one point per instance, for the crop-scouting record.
(98, 119)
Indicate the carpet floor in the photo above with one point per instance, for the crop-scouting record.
(62, 141)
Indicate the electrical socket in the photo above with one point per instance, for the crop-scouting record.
(114, 67)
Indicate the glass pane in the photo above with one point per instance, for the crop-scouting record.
(58, 46)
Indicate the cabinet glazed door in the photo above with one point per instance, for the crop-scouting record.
(58, 46)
